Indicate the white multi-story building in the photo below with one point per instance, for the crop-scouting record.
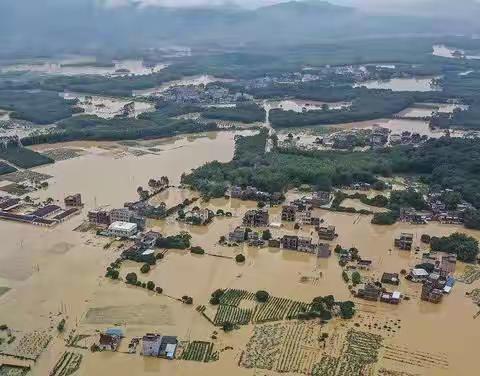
(123, 229)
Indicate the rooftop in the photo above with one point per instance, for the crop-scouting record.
(123, 226)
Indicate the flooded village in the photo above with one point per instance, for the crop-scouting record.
(105, 292)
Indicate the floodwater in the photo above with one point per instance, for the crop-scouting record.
(66, 67)
(425, 110)
(58, 273)
(186, 81)
(449, 52)
(401, 84)
(108, 107)
(306, 105)
(413, 126)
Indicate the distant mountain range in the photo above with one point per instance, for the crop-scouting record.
(33, 26)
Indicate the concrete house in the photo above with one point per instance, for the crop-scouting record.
(256, 218)
(326, 232)
(151, 344)
(288, 213)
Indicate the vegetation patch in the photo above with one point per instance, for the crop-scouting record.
(68, 364)
(199, 351)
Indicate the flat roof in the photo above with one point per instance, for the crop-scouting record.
(419, 272)
(123, 226)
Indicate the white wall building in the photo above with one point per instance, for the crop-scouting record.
(123, 229)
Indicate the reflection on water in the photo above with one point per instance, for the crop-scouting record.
(401, 84)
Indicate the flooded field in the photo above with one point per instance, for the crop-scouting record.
(186, 81)
(402, 84)
(59, 273)
(86, 66)
(109, 107)
(305, 105)
(426, 110)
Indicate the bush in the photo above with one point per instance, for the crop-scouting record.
(227, 326)
(266, 235)
(158, 290)
(159, 256)
(144, 285)
(347, 309)
(345, 277)
(214, 300)
(356, 278)
(145, 268)
(240, 258)
(388, 218)
(150, 285)
(131, 278)
(197, 250)
(262, 296)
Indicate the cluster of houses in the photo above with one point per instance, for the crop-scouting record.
(154, 345)
(436, 274)
(404, 241)
(47, 215)
(288, 242)
(375, 292)
(203, 94)
(197, 216)
(253, 194)
(437, 211)
(143, 248)
(121, 222)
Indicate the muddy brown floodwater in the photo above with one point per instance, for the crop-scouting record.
(58, 273)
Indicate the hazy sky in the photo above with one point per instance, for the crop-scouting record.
(256, 3)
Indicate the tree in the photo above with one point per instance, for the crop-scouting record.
(131, 278)
(197, 250)
(262, 296)
(338, 249)
(347, 309)
(345, 277)
(464, 246)
(353, 253)
(112, 273)
(261, 204)
(150, 285)
(356, 278)
(240, 258)
(61, 326)
(145, 268)
(227, 326)
(266, 235)
(158, 290)
(472, 219)
(451, 199)
(222, 239)
(220, 212)
(214, 300)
